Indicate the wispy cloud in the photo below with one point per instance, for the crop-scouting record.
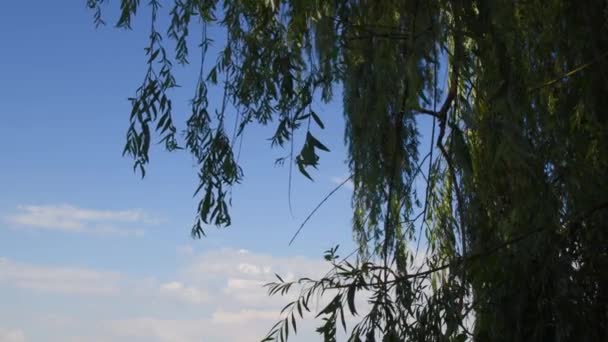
(65, 280)
(242, 316)
(231, 263)
(219, 296)
(68, 218)
(12, 335)
(188, 294)
(237, 326)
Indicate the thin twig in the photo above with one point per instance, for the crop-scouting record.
(443, 120)
(427, 192)
(570, 73)
(576, 219)
(419, 166)
(317, 208)
(430, 112)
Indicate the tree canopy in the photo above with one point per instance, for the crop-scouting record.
(515, 209)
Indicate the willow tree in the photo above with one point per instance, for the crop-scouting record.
(514, 213)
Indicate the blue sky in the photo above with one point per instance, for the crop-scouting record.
(88, 250)
(79, 230)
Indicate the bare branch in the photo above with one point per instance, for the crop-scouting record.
(461, 260)
(426, 111)
(317, 208)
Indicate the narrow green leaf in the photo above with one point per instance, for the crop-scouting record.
(350, 298)
(293, 322)
(317, 120)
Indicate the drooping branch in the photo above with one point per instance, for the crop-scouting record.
(571, 224)
(443, 120)
(571, 72)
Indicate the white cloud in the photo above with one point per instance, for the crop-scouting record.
(64, 280)
(244, 316)
(188, 294)
(85, 339)
(243, 284)
(155, 329)
(249, 269)
(236, 326)
(240, 276)
(223, 289)
(230, 263)
(12, 335)
(165, 330)
(68, 218)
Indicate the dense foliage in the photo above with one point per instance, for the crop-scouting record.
(515, 212)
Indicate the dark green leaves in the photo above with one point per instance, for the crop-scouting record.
(317, 120)
(331, 254)
(95, 6)
(513, 154)
(308, 155)
(350, 297)
(128, 8)
(218, 171)
(151, 99)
